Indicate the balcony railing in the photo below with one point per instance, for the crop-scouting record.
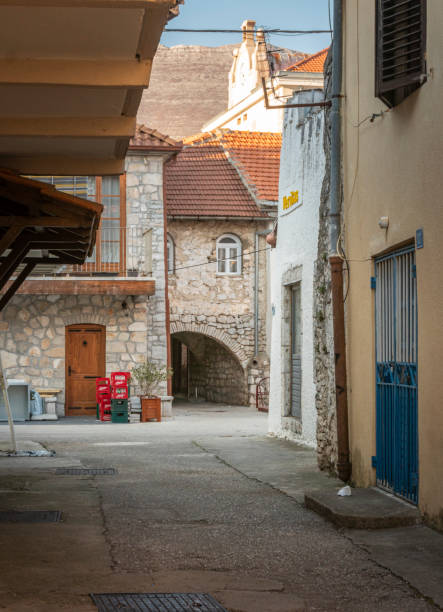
(119, 251)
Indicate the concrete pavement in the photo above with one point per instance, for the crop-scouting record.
(204, 502)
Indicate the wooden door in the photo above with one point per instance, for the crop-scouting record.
(85, 361)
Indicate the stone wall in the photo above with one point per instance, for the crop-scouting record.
(215, 374)
(217, 306)
(33, 338)
(33, 334)
(188, 86)
(324, 366)
(144, 204)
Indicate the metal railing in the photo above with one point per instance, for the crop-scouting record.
(119, 251)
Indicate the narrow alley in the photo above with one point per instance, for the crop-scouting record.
(197, 504)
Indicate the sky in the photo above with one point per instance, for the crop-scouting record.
(229, 14)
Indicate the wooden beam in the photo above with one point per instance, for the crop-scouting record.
(22, 222)
(12, 289)
(64, 165)
(69, 257)
(68, 127)
(88, 286)
(155, 19)
(6, 241)
(11, 263)
(78, 73)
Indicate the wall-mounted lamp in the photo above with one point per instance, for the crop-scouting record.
(383, 222)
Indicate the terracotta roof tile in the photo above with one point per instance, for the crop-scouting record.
(151, 139)
(312, 63)
(201, 181)
(256, 155)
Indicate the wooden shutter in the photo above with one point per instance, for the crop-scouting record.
(400, 64)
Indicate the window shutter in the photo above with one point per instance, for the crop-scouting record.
(400, 65)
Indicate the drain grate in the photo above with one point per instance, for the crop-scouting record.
(30, 516)
(153, 602)
(85, 471)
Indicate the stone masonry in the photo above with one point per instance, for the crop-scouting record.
(33, 326)
(219, 308)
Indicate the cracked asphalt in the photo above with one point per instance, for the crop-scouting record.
(177, 517)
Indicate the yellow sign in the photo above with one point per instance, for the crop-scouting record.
(289, 201)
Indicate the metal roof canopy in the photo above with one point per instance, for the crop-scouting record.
(40, 225)
(72, 73)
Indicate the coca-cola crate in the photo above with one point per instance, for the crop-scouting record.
(102, 381)
(118, 378)
(120, 392)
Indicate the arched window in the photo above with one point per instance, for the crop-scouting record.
(228, 254)
(171, 254)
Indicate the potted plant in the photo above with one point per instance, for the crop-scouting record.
(148, 376)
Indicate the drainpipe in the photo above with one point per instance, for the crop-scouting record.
(256, 279)
(343, 463)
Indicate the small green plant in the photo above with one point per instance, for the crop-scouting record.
(149, 375)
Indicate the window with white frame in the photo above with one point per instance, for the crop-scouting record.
(228, 254)
(171, 258)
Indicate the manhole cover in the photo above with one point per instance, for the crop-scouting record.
(30, 516)
(164, 602)
(85, 471)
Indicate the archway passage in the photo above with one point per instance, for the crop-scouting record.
(85, 361)
(206, 370)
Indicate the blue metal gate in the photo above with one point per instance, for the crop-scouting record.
(396, 373)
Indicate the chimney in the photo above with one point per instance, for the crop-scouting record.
(248, 29)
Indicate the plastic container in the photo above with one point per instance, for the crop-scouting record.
(119, 392)
(119, 416)
(120, 377)
(119, 404)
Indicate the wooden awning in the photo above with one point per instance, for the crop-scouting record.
(72, 73)
(41, 226)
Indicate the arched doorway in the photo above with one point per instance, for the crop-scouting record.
(205, 369)
(85, 349)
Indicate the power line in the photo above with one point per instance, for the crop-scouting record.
(212, 261)
(267, 31)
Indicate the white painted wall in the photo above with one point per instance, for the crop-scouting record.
(301, 169)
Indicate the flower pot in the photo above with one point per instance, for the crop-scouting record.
(151, 408)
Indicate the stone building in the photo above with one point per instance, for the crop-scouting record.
(62, 330)
(221, 192)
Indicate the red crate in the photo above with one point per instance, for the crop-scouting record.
(119, 392)
(102, 381)
(102, 389)
(120, 378)
(105, 395)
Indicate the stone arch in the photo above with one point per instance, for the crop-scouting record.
(80, 318)
(216, 334)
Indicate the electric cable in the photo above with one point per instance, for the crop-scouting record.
(212, 261)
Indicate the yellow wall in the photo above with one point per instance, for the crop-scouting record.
(394, 167)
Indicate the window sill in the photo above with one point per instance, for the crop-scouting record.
(221, 275)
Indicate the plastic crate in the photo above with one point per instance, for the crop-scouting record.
(102, 381)
(120, 377)
(120, 392)
(102, 389)
(119, 416)
(119, 404)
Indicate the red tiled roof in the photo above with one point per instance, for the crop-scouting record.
(312, 63)
(201, 181)
(148, 138)
(256, 155)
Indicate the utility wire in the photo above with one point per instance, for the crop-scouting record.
(267, 31)
(212, 261)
